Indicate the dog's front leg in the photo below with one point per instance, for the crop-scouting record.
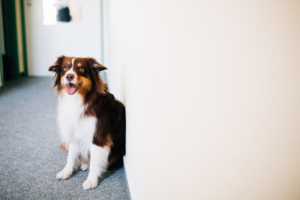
(98, 165)
(72, 156)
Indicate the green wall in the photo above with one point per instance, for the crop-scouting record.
(10, 35)
(1, 67)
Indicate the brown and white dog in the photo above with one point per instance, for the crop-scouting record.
(90, 119)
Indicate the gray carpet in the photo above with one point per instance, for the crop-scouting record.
(30, 155)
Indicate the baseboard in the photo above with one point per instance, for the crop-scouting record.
(127, 185)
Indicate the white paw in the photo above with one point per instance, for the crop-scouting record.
(63, 175)
(89, 184)
(84, 166)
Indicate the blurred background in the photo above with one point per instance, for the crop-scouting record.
(211, 88)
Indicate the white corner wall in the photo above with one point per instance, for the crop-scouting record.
(212, 92)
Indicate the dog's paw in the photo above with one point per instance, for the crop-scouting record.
(89, 184)
(63, 175)
(84, 166)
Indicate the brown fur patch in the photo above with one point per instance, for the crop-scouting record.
(84, 159)
(62, 89)
(64, 147)
(109, 140)
(86, 86)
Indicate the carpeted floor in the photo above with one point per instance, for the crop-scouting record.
(30, 155)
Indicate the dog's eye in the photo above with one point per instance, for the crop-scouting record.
(65, 69)
(81, 69)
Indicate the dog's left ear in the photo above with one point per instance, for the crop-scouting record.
(95, 65)
(56, 65)
(56, 68)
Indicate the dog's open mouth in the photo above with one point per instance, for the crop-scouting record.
(72, 88)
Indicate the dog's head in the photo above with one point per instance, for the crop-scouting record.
(77, 75)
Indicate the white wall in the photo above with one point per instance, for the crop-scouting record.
(212, 92)
(46, 42)
(114, 45)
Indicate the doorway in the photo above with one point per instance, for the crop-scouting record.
(13, 46)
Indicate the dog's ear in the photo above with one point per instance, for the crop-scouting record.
(56, 65)
(95, 68)
(95, 65)
(56, 68)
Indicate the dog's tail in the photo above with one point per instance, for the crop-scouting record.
(64, 147)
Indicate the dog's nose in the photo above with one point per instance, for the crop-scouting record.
(70, 77)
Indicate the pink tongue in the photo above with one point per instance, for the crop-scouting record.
(71, 89)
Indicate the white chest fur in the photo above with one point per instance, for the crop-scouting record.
(73, 125)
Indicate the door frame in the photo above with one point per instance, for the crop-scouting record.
(22, 14)
(10, 35)
(10, 29)
(1, 62)
(1, 65)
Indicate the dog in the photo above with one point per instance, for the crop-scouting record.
(91, 121)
